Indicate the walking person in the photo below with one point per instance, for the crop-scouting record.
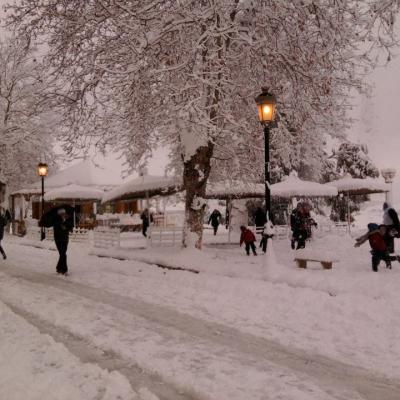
(146, 218)
(260, 220)
(215, 220)
(5, 218)
(392, 224)
(63, 225)
(247, 237)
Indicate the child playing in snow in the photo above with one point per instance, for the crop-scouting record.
(379, 250)
(248, 238)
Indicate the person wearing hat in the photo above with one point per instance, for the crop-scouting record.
(63, 225)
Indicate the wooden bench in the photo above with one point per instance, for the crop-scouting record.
(302, 263)
(303, 256)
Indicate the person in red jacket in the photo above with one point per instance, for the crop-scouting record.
(379, 249)
(247, 237)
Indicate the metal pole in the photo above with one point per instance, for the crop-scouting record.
(267, 175)
(42, 233)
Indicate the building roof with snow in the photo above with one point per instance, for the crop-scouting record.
(74, 192)
(143, 186)
(84, 173)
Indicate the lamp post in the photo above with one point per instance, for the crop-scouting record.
(266, 104)
(42, 170)
(388, 175)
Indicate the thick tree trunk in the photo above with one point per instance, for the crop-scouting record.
(195, 175)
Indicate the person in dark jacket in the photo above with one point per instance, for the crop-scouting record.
(301, 224)
(298, 227)
(146, 218)
(260, 220)
(63, 225)
(215, 220)
(379, 249)
(5, 218)
(391, 221)
(247, 237)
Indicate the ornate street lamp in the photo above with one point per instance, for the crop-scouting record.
(42, 171)
(266, 104)
(388, 175)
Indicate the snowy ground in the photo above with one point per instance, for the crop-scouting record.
(236, 330)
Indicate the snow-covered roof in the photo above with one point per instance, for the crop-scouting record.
(85, 173)
(359, 186)
(30, 192)
(73, 191)
(292, 186)
(146, 185)
(235, 189)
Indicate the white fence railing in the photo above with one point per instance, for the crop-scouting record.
(169, 236)
(77, 235)
(105, 237)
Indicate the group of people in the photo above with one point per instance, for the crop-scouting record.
(381, 238)
(247, 236)
(301, 224)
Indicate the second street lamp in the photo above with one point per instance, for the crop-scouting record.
(42, 171)
(266, 104)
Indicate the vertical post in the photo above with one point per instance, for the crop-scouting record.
(348, 213)
(148, 243)
(42, 232)
(267, 174)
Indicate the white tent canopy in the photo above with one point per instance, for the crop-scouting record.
(354, 186)
(74, 192)
(235, 189)
(292, 186)
(145, 186)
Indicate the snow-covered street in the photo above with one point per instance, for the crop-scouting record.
(127, 328)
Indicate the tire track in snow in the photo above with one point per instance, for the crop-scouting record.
(319, 369)
(109, 360)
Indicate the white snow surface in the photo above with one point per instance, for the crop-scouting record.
(174, 323)
(74, 191)
(34, 366)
